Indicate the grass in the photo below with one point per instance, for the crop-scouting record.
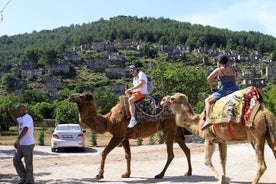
(9, 137)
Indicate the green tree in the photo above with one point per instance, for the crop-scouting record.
(8, 79)
(33, 55)
(32, 96)
(63, 94)
(5, 120)
(84, 86)
(171, 78)
(105, 99)
(66, 112)
(270, 100)
(43, 110)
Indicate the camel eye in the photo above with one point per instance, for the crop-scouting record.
(172, 99)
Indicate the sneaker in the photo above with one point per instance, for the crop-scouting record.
(206, 125)
(132, 123)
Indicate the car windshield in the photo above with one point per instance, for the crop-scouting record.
(68, 127)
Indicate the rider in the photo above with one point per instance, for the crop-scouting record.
(138, 91)
(227, 81)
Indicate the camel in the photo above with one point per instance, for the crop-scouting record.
(115, 123)
(264, 128)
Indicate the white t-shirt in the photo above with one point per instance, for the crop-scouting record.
(26, 121)
(141, 76)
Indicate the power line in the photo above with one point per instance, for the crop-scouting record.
(1, 12)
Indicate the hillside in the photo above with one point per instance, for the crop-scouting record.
(123, 28)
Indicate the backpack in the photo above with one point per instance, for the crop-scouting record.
(150, 85)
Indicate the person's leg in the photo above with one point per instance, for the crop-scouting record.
(18, 164)
(28, 158)
(131, 106)
(208, 102)
(135, 97)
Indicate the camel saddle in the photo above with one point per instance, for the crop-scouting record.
(147, 109)
(238, 107)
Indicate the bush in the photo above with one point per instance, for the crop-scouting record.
(93, 138)
(41, 135)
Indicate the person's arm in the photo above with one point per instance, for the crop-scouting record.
(23, 133)
(13, 117)
(211, 77)
(235, 75)
(141, 83)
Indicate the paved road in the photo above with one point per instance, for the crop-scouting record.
(147, 161)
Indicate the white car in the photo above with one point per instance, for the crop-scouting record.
(67, 136)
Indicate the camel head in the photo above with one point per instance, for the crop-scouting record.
(165, 101)
(178, 102)
(84, 101)
(81, 98)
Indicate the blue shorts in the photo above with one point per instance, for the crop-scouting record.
(225, 90)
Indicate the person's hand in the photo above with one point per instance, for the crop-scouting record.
(128, 91)
(10, 108)
(16, 144)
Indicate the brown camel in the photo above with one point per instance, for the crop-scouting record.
(264, 128)
(115, 123)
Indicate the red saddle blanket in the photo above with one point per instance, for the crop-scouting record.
(147, 109)
(238, 107)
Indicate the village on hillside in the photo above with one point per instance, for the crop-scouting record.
(113, 65)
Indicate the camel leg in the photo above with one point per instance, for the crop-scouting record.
(209, 151)
(169, 144)
(270, 134)
(180, 139)
(259, 149)
(271, 145)
(126, 146)
(223, 157)
(111, 145)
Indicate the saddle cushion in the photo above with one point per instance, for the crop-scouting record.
(239, 106)
(147, 109)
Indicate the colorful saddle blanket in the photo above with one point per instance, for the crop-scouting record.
(239, 107)
(147, 109)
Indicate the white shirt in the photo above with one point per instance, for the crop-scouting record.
(26, 121)
(141, 76)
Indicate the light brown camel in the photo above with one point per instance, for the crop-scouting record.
(115, 123)
(264, 128)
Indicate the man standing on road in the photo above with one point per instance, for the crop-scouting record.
(24, 144)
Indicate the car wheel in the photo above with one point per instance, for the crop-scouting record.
(53, 149)
(82, 149)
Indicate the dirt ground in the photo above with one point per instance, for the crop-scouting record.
(147, 161)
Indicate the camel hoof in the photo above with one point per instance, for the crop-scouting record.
(223, 180)
(188, 174)
(159, 176)
(126, 175)
(99, 176)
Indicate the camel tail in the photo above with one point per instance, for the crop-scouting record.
(271, 131)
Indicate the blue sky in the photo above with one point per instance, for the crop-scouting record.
(25, 16)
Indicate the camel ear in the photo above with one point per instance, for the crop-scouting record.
(187, 104)
(88, 96)
(183, 98)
